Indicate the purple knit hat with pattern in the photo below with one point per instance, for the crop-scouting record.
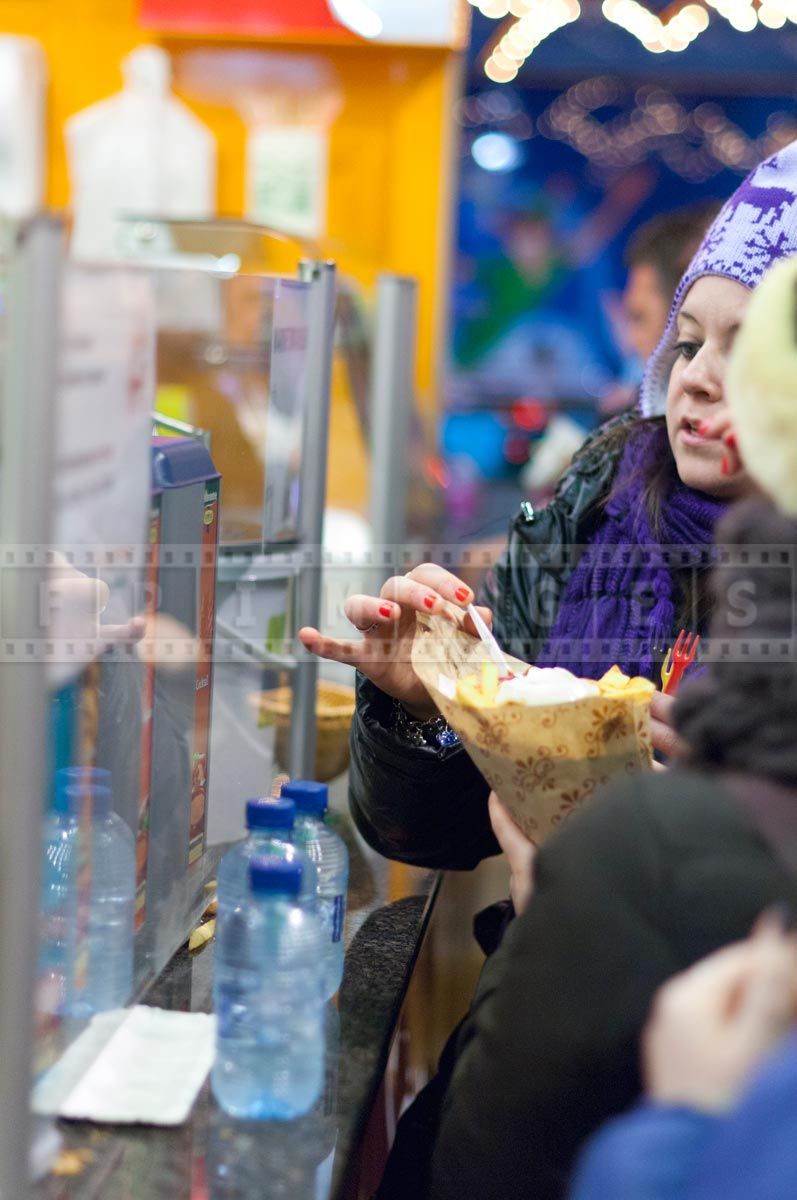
(754, 228)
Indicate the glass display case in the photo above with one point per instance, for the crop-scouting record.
(110, 597)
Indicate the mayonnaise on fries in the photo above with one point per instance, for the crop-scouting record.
(546, 685)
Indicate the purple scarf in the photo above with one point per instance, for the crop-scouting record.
(618, 605)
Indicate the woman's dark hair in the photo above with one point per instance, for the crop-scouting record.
(658, 482)
(658, 475)
(741, 713)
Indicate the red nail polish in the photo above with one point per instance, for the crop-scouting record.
(730, 440)
(724, 466)
(462, 594)
(429, 601)
(385, 610)
(703, 428)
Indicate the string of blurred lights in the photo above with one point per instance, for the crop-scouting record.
(696, 143)
(527, 23)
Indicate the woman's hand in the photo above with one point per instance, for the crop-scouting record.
(387, 622)
(713, 1024)
(662, 734)
(519, 853)
(74, 604)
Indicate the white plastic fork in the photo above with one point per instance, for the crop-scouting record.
(496, 654)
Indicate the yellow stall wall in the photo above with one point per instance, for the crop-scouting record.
(391, 162)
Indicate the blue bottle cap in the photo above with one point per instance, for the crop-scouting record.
(310, 798)
(268, 812)
(74, 775)
(70, 799)
(276, 876)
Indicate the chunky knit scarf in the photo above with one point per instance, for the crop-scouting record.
(619, 603)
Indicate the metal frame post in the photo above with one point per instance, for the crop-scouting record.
(313, 493)
(392, 398)
(25, 523)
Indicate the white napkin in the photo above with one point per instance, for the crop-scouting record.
(148, 1071)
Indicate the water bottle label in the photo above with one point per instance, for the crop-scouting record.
(338, 912)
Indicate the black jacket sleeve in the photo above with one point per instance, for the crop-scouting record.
(428, 807)
(422, 806)
(550, 1047)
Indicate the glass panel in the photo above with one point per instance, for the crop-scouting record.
(128, 605)
(89, 612)
(231, 355)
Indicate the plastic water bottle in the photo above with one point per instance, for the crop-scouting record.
(269, 823)
(268, 990)
(111, 904)
(331, 859)
(58, 934)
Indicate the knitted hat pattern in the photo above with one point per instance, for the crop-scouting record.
(757, 226)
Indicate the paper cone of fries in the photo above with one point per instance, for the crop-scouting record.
(543, 760)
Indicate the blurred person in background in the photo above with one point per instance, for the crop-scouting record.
(655, 873)
(720, 1065)
(656, 256)
(720, 1048)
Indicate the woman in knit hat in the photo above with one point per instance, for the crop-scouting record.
(659, 870)
(607, 573)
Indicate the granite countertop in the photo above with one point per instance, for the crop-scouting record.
(216, 1157)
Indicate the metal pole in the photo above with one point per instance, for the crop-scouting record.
(313, 493)
(392, 395)
(25, 521)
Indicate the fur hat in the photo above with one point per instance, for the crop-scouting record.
(761, 386)
(754, 228)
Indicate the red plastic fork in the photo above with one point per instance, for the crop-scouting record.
(676, 662)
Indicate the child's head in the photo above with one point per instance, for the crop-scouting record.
(685, 376)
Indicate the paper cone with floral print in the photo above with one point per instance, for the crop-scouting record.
(543, 761)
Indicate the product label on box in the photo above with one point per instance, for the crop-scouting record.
(87, 735)
(207, 594)
(147, 702)
(338, 913)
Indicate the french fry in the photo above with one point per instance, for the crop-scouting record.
(202, 934)
(615, 683)
(470, 694)
(613, 679)
(489, 682)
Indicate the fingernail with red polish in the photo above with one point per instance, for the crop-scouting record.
(462, 594)
(730, 440)
(703, 427)
(385, 610)
(429, 601)
(724, 466)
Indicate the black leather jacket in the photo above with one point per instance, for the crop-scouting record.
(426, 806)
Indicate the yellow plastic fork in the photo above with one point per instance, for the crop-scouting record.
(677, 660)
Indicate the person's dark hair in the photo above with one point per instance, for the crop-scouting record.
(613, 438)
(741, 713)
(668, 242)
(693, 601)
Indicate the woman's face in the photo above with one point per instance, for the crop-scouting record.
(708, 322)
